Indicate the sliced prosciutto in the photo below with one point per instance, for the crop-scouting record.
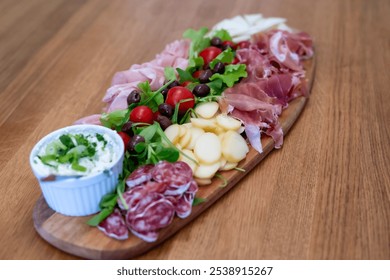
(275, 77)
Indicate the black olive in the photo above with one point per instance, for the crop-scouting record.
(205, 76)
(201, 90)
(164, 92)
(163, 121)
(219, 67)
(165, 110)
(133, 142)
(127, 128)
(134, 97)
(173, 84)
(216, 41)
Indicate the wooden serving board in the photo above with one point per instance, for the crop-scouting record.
(73, 235)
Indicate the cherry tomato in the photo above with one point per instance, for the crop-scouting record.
(235, 60)
(243, 45)
(125, 138)
(186, 83)
(197, 74)
(226, 44)
(155, 115)
(176, 94)
(141, 114)
(208, 54)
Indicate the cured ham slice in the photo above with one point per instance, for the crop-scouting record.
(275, 77)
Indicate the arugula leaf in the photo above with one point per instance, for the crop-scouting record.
(169, 73)
(184, 76)
(150, 98)
(149, 132)
(198, 200)
(226, 56)
(233, 73)
(198, 43)
(223, 34)
(198, 40)
(98, 218)
(115, 118)
(108, 200)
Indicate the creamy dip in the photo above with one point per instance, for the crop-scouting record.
(73, 154)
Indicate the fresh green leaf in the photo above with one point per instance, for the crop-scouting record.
(223, 35)
(198, 200)
(169, 73)
(100, 217)
(115, 118)
(194, 63)
(184, 76)
(108, 200)
(198, 40)
(149, 132)
(233, 73)
(144, 87)
(67, 141)
(140, 147)
(226, 56)
(168, 154)
(216, 87)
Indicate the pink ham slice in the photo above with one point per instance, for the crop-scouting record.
(275, 77)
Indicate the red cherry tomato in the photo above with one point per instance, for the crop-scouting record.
(243, 45)
(125, 138)
(176, 94)
(155, 115)
(186, 83)
(208, 54)
(197, 74)
(235, 60)
(141, 114)
(229, 43)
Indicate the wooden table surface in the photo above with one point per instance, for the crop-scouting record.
(324, 195)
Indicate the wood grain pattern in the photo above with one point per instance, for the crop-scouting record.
(74, 236)
(324, 195)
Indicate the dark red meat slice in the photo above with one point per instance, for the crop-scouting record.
(140, 175)
(184, 205)
(114, 226)
(176, 175)
(158, 214)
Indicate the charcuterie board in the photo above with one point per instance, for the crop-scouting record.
(73, 235)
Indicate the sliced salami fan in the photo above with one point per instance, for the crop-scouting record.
(114, 226)
(177, 175)
(140, 175)
(156, 215)
(184, 205)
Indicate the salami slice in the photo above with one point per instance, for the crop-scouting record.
(140, 175)
(114, 226)
(155, 216)
(177, 175)
(132, 198)
(184, 205)
(150, 236)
